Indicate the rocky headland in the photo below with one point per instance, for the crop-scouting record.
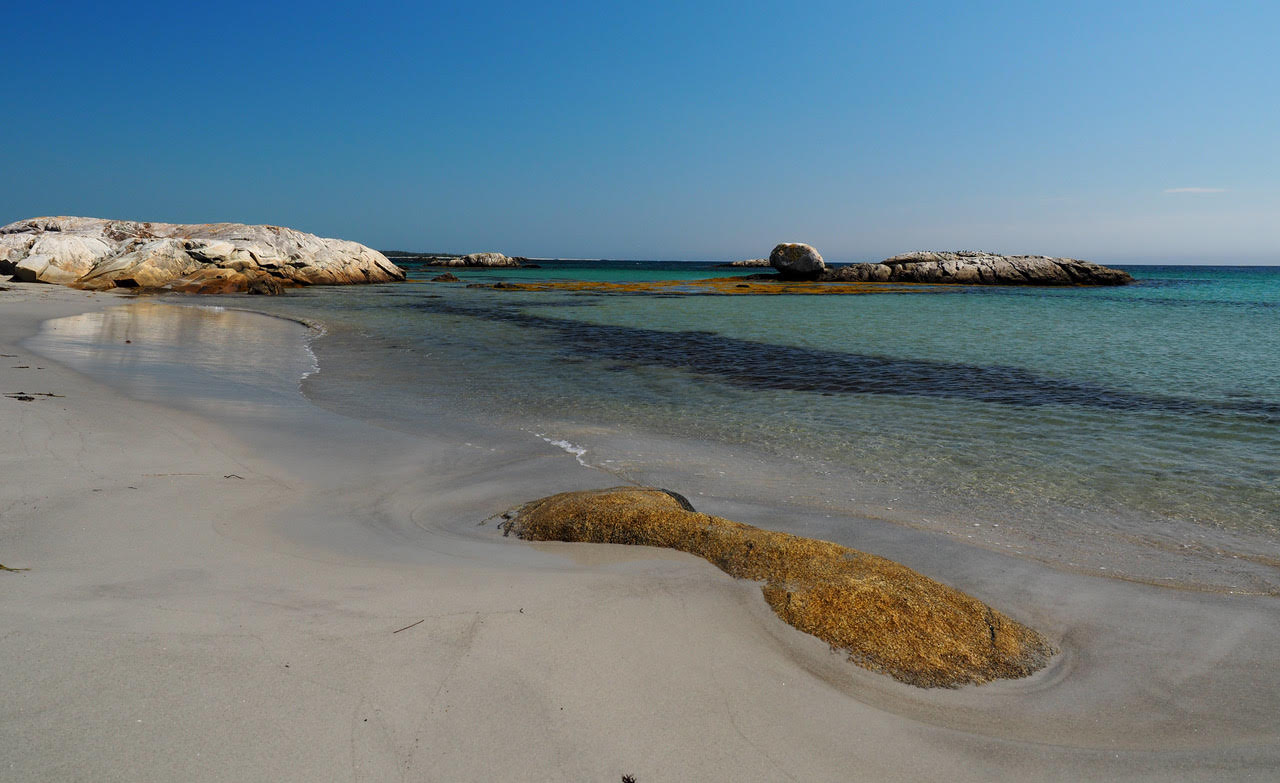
(206, 258)
(795, 261)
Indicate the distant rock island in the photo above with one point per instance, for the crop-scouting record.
(482, 260)
(206, 258)
(745, 262)
(797, 261)
(456, 260)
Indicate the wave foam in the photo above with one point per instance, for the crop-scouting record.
(574, 449)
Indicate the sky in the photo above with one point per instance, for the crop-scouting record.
(1121, 132)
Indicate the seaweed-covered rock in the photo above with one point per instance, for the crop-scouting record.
(797, 261)
(201, 258)
(885, 616)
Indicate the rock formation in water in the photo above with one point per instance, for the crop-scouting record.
(479, 259)
(206, 258)
(971, 267)
(751, 262)
(797, 261)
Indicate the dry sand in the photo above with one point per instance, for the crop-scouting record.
(240, 586)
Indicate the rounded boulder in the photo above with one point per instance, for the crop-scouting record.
(797, 261)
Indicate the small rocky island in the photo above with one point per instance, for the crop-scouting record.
(797, 261)
(744, 262)
(481, 260)
(206, 258)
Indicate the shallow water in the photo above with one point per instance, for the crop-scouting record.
(1127, 431)
(246, 362)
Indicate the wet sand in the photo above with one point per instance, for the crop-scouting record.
(229, 582)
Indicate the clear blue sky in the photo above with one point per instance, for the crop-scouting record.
(1117, 131)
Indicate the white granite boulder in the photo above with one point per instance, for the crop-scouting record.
(478, 259)
(972, 267)
(797, 261)
(747, 262)
(202, 258)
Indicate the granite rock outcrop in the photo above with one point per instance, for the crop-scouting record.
(480, 259)
(971, 267)
(94, 253)
(748, 262)
(885, 616)
(797, 261)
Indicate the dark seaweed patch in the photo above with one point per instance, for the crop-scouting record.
(760, 365)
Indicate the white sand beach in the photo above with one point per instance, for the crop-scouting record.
(225, 582)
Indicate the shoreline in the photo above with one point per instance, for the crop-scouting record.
(1095, 494)
(831, 498)
(341, 532)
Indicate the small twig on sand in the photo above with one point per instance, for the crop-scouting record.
(233, 475)
(503, 514)
(407, 627)
(4, 567)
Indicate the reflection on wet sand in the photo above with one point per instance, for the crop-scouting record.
(185, 355)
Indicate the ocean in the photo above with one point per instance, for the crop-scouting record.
(1131, 432)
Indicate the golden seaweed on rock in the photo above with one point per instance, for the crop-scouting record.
(885, 616)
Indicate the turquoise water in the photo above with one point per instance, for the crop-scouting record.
(1149, 412)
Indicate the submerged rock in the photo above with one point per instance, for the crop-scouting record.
(202, 258)
(447, 277)
(478, 259)
(797, 261)
(971, 267)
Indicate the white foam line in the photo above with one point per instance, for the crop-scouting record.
(315, 330)
(315, 363)
(574, 449)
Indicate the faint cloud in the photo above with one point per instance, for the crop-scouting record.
(1196, 190)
